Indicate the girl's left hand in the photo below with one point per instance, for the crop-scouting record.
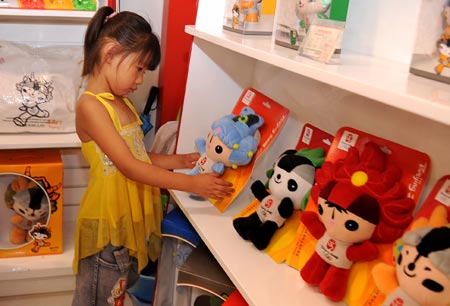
(190, 159)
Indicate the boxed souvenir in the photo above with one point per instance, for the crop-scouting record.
(365, 196)
(31, 189)
(431, 55)
(254, 17)
(87, 5)
(237, 140)
(294, 18)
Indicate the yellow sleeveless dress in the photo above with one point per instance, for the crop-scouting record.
(115, 209)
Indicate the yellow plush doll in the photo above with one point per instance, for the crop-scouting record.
(421, 272)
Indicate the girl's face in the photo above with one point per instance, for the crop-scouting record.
(126, 74)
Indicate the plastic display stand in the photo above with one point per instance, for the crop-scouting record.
(202, 281)
(179, 240)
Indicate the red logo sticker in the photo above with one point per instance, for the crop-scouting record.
(331, 244)
(268, 203)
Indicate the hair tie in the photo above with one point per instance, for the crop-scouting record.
(110, 16)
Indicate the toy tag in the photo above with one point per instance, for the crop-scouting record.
(443, 195)
(322, 40)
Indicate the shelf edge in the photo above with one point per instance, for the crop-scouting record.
(332, 75)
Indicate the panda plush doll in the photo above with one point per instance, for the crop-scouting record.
(287, 189)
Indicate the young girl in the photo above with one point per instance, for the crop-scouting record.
(118, 224)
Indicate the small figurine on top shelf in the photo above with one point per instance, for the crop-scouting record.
(246, 11)
(308, 10)
(295, 17)
(431, 57)
(444, 43)
(249, 16)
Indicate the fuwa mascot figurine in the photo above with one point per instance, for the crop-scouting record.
(231, 142)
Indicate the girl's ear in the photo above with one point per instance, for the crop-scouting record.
(108, 52)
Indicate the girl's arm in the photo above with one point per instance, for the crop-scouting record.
(174, 161)
(93, 123)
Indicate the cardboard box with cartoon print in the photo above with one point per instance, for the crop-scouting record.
(31, 202)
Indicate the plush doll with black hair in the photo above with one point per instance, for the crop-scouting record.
(423, 269)
(287, 189)
(360, 201)
(420, 272)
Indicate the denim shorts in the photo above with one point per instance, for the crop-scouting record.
(103, 278)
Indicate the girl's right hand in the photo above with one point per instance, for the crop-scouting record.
(211, 186)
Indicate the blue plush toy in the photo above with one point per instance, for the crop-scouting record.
(231, 142)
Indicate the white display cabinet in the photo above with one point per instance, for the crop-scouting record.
(42, 27)
(45, 15)
(371, 90)
(49, 280)
(45, 280)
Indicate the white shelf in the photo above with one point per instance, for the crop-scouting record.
(371, 89)
(30, 140)
(38, 274)
(382, 80)
(260, 280)
(40, 266)
(44, 15)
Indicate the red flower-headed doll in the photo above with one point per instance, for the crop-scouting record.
(360, 201)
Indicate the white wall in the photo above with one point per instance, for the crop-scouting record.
(152, 11)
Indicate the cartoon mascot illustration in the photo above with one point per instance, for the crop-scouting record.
(34, 93)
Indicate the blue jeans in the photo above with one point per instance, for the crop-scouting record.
(103, 278)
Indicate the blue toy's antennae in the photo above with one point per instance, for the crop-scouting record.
(238, 133)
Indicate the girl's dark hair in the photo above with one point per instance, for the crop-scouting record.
(132, 33)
